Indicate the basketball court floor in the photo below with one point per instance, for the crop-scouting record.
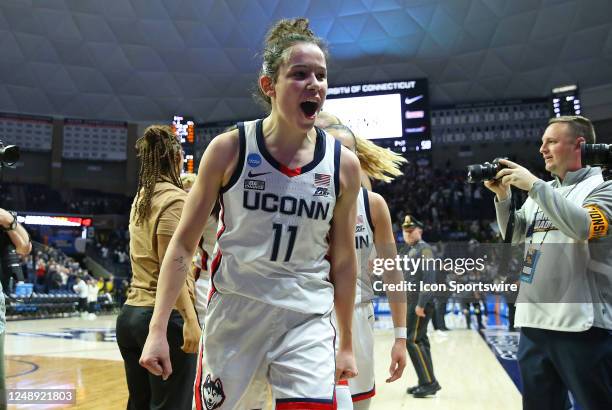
(81, 354)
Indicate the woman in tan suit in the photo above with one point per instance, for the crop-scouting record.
(155, 214)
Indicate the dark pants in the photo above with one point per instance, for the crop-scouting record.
(82, 304)
(438, 319)
(553, 362)
(468, 314)
(417, 344)
(147, 391)
(511, 314)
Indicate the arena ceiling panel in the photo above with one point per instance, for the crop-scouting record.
(145, 60)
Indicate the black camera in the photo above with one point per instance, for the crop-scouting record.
(9, 154)
(484, 172)
(596, 155)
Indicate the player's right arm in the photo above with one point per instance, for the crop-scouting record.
(184, 305)
(217, 165)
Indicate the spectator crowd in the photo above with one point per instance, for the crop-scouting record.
(50, 270)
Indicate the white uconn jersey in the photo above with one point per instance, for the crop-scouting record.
(272, 242)
(364, 247)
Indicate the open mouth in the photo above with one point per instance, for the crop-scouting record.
(309, 108)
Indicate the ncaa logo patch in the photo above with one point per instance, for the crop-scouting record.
(254, 160)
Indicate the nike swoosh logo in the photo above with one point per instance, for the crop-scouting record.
(254, 175)
(413, 99)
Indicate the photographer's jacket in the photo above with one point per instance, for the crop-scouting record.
(569, 286)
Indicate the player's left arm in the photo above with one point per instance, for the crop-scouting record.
(384, 240)
(343, 259)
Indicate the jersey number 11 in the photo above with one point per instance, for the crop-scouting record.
(278, 233)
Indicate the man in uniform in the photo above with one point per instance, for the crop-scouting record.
(420, 310)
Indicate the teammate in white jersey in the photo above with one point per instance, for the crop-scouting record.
(373, 238)
(288, 194)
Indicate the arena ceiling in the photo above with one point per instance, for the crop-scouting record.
(145, 60)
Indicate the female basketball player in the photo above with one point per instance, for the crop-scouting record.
(373, 230)
(281, 263)
(154, 217)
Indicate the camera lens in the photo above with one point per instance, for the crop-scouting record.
(596, 154)
(9, 154)
(481, 172)
(474, 173)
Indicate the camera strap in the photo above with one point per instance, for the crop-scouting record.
(510, 226)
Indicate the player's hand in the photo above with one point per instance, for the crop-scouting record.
(419, 311)
(191, 336)
(346, 367)
(398, 360)
(516, 175)
(156, 356)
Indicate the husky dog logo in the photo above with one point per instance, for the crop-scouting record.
(212, 391)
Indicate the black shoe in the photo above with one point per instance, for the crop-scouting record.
(412, 389)
(426, 390)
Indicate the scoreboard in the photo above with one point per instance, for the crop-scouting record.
(29, 132)
(184, 128)
(566, 101)
(94, 140)
(394, 115)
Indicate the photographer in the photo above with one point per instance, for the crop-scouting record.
(562, 345)
(13, 238)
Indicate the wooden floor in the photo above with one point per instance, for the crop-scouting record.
(470, 376)
(36, 357)
(98, 384)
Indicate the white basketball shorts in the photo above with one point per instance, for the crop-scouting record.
(250, 346)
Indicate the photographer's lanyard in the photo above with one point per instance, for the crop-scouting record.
(535, 251)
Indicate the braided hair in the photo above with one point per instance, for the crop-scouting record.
(158, 150)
